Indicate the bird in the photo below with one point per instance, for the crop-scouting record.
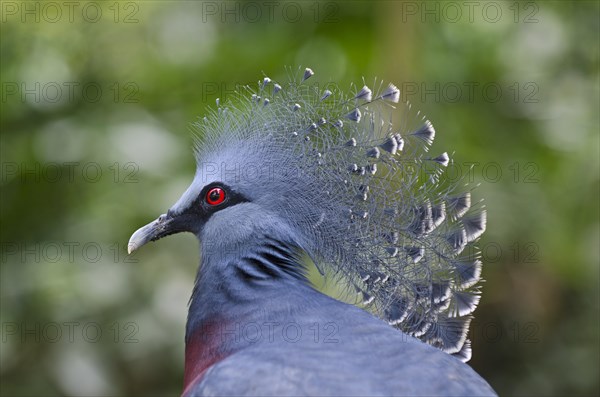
(295, 175)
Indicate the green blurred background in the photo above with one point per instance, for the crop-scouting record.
(97, 102)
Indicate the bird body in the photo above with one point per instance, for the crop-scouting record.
(280, 177)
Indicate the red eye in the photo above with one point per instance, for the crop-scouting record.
(215, 196)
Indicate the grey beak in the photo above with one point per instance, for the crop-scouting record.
(161, 227)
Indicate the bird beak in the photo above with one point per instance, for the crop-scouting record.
(163, 226)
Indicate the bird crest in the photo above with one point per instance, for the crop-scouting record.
(352, 175)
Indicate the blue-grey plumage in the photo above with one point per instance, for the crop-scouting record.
(291, 170)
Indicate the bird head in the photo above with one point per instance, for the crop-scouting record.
(249, 186)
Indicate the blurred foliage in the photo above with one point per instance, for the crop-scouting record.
(95, 141)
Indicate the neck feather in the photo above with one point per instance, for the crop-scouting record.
(233, 287)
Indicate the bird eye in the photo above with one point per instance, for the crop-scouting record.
(215, 196)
